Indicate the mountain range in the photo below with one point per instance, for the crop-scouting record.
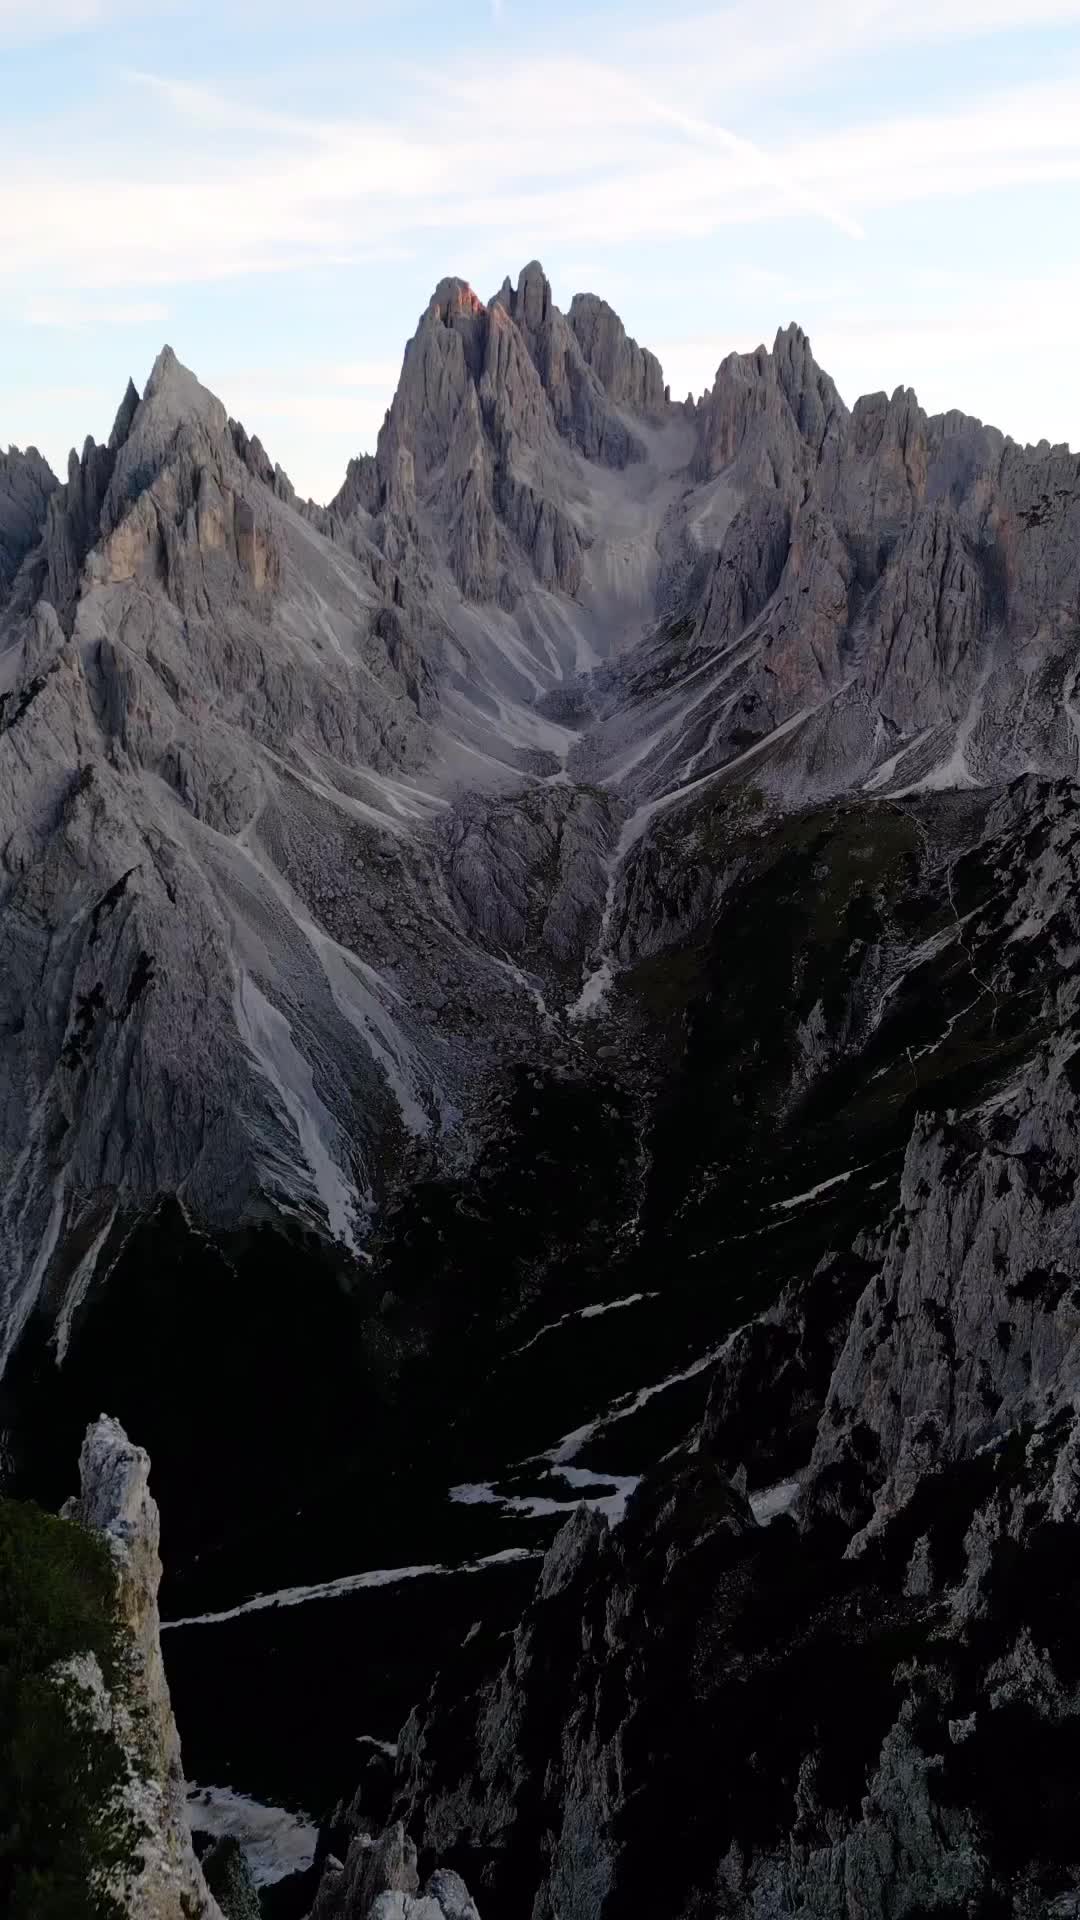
(539, 1011)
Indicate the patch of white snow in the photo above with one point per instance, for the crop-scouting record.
(275, 1842)
(768, 1502)
(347, 1584)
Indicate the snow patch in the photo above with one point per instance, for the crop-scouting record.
(823, 1186)
(611, 1505)
(612, 1306)
(528, 986)
(542, 1506)
(769, 1502)
(582, 1313)
(355, 989)
(348, 1583)
(883, 774)
(275, 1842)
(77, 1286)
(567, 1449)
(19, 1310)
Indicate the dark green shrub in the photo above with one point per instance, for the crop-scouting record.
(65, 1827)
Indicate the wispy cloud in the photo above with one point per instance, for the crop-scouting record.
(57, 311)
(742, 49)
(587, 156)
(772, 169)
(22, 22)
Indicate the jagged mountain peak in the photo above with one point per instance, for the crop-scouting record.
(174, 396)
(176, 420)
(454, 295)
(493, 400)
(125, 414)
(17, 455)
(629, 374)
(776, 410)
(587, 350)
(26, 483)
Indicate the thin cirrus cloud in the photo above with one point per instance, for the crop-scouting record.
(20, 22)
(636, 169)
(68, 314)
(742, 49)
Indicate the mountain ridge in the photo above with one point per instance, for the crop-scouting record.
(558, 596)
(549, 983)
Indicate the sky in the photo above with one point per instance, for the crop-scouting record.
(276, 188)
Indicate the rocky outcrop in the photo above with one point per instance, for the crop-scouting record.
(776, 414)
(493, 853)
(884, 578)
(746, 571)
(577, 391)
(969, 1330)
(26, 482)
(630, 375)
(115, 1501)
(360, 489)
(229, 1880)
(378, 1880)
(532, 1770)
(72, 526)
(472, 440)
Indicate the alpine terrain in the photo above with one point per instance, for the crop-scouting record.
(540, 1038)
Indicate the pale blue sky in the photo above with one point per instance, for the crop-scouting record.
(276, 188)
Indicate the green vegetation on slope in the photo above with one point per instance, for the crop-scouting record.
(65, 1827)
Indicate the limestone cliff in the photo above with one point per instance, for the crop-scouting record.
(114, 1501)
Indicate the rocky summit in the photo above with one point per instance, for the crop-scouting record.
(540, 1017)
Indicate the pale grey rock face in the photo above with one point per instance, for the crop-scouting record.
(360, 492)
(494, 850)
(629, 374)
(474, 439)
(378, 1881)
(881, 588)
(115, 1501)
(26, 481)
(221, 659)
(578, 392)
(746, 571)
(774, 413)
